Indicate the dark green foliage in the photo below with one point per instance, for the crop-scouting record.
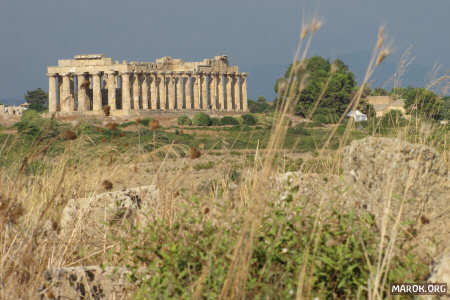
(184, 120)
(228, 120)
(337, 95)
(260, 105)
(33, 125)
(248, 119)
(126, 124)
(423, 102)
(37, 99)
(379, 92)
(299, 129)
(393, 118)
(325, 116)
(176, 255)
(215, 122)
(201, 119)
(145, 121)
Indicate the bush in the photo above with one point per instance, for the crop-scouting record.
(393, 118)
(145, 121)
(248, 119)
(215, 122)
(201, 119)
(184, 120)
(32, 124)
(228, 120)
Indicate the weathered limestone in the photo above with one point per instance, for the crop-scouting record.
(126, 96)
(136, 92)
(162, 92)
(97, 92)
(204, 96)
(221, 95)
(244, 92)
(167, 83)
(188, 91)
(179, 94)
(229, 92)
(52, 105)
(197, 90)
(144, 85)
(154, 91)
(237, 93)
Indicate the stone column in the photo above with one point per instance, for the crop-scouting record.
(83, 86)
(179, 96)
(111, 86)
(188, 91)
(52, 93)
(97, 92)
(205, 102)
(66, 100)
(144, 91)
(237, 93)
(60, 93)
(162, 92)
(196, 91)
(171, 91)
(221, 91)
(244, 92)
(136, 91)
(154, 91)
(229, 90)
(213, 90)
(126, 95)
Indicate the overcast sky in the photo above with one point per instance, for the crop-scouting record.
(253, 33)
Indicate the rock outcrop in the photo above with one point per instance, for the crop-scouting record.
(90, 215)
(91, 282)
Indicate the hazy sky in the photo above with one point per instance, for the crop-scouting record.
(253, 33)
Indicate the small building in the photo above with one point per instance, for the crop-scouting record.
(357, 116)
(384, 104)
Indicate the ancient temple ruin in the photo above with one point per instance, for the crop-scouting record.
(88, 83)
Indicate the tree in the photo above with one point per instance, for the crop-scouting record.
(319, 72)
(379, 92)
(37, 99)
(423, 102)
(259, 106)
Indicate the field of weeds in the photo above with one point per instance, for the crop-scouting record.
(226, 220)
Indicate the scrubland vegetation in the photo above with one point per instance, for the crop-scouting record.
(225, 225)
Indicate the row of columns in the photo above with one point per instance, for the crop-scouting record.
(148, 91)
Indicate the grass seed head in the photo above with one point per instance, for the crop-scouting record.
(382, 56)
(154, 124)
(70, 135)
(107, 185)
(195, 153)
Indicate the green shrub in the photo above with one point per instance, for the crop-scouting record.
(33, 124)
(204, 165)
(248, 119)
(145, 121)
(299, 129)
(201, 119)
(215, 122)
(126, 124)
(393, 118)
(184, 120)
(228, 120)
